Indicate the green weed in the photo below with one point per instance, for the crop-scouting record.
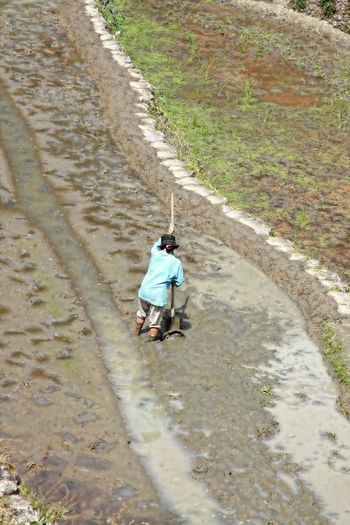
(207, 66)
(241, 49)
(302, 220)
(299, 5)
(318, 71)
(266, 390)
(334, 349)
(331, 109)
(341, 116)
(267, 114)
(246, 35)
(248, 92)
(328, 8)
(112, 15)
(163, 98)
(196, 121)
(336, 288)
(193, 48)
(48, 512)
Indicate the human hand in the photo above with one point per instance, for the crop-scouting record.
(171, 230)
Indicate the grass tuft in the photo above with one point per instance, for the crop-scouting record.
(49, 512)
(334, 349)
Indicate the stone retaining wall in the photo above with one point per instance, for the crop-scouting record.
(340, 19)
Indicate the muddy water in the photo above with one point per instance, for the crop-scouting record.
(193, 408)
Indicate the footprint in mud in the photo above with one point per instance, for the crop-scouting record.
(55, 462)
(85, 418)
(40, 373)
(42, 400)
(3, 310)
(14, 332)
(18, 353)
(9, 382)
(33, 329)
(25, 268)
(36, 301)
(49, 389)
(94, 463)
(65, 354)
(102, 446)
(15, 363)
(67, 436)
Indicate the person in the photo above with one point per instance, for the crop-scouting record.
(164, 268)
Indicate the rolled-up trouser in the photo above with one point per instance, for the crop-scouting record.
(155, 313)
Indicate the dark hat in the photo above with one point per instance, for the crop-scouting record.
(168, 241)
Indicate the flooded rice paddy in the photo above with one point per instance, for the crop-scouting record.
(235, 424)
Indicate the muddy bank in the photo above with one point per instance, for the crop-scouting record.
(120, 104)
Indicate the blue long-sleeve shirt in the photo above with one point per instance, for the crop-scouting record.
(163, 268)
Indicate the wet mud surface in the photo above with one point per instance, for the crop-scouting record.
(57, 404)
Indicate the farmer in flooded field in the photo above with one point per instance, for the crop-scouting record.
(164, 268)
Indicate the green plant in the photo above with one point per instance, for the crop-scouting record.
(162, 98)
(302, 219)
(319, 72)
(196, 121)
(299, 5)
(336, 288)
(267, 113)
(193, 48)
(241, 49)
(207, 66)
(334, 349)
(111, 14)
(341, 115)
(48, 512)
(328, 8)
(246, 35)
(248, 92)
(266, 390)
